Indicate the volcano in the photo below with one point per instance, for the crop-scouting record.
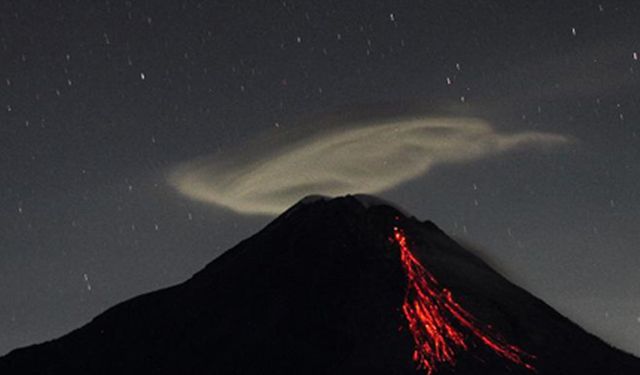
(333, 286)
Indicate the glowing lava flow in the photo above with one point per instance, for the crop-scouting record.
(435, 319)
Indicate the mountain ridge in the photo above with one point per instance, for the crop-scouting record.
(320, 289)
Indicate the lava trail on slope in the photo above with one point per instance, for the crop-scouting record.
(439, 325)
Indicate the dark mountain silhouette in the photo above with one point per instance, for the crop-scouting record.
(333, 286)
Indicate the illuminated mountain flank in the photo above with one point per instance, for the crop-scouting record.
(333, 286)
(438, 323)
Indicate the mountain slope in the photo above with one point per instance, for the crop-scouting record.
(322, 290)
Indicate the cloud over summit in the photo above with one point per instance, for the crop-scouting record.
(370, 158)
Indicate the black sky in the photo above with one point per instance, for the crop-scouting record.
(99, 100)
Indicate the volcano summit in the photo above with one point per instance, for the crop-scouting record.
(333, 286)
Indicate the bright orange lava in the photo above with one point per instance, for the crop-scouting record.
(439, 325)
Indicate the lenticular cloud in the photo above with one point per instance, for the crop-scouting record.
(370, 158)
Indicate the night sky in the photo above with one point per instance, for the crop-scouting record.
(140, 139)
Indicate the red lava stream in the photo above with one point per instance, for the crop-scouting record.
(440, 327)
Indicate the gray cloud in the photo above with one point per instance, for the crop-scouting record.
(370, 158)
